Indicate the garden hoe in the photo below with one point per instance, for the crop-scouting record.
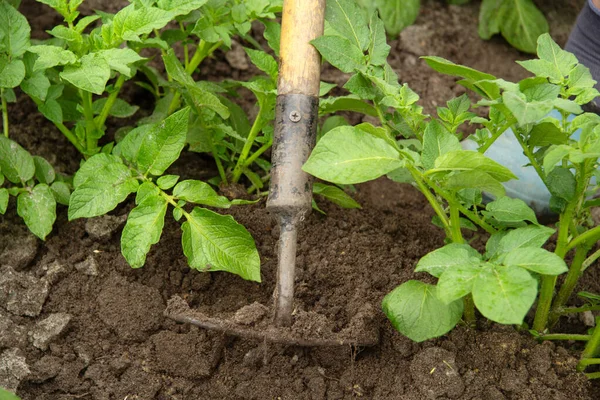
(290, 195)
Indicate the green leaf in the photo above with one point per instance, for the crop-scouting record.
(15, 162)
(340, 53)
(555, 155)
(102, 190)
(14, 31)
(263, 61)
(52, 110)
(537, 260)
(347, 18)
(475, 179)
(437, 261)
(449, 68)
(527, 236)
(36, 85)
(522, 23)
(345, 103)
(548, 50)
(120, 108)
(457, 281)
(562, 183)
(3, 200)
(121, 60)
(61, 192)
(51, 56)
(414, 310)
(349, 155)
(44, 172)
(199, 192)
(272, 34)
(463, 160)
(378, 47)
(12, 74)
(504, 294)
(214, 242)
(90, 75)
(398, 14)
(335, 195)
(143, 228)
(162, 144)
(525, 112)
(38, 209)
(180, 7)
(490, 17)
(131, 22)
(510, 212)
(6, 395)
(167, 181)
(545, 134)
(437, 141)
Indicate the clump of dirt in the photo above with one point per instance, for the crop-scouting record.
(118, 345)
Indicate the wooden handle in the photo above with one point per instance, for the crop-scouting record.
(300, 68)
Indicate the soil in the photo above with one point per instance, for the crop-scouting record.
(81, 324)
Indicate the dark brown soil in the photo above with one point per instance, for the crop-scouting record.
(117, 344)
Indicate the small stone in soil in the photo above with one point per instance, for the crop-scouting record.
(19, 251)
(89, 266)
(55, 271)
(236, 57)
(250, 314)
(48, 329)
(21, 293)
(13, 369)
(102, 228)
(435, 373)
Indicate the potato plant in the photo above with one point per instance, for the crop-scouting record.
(520, 22)
(409, 146)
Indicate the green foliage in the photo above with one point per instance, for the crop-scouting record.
(424, 150)
(210, 241)
(28, 178)
(520, 22)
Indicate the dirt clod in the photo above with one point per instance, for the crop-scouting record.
(103, 227)
(89, 266)
(20, 293)
(48, 329)
(250, 314)
(13, 368)
(21, 248)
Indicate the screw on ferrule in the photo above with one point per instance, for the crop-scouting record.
(295, 116)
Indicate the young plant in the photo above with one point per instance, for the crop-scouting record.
(74, 66)
(14, 41)
(35, 185)
(502, 283)
(519, 21)
(210, 241)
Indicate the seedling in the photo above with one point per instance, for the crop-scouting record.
(210, 241)
(412, 147)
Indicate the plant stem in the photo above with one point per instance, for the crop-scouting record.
(531, 157)
(88, 112)
(494, 137)
(110, 101)
(591, 347)
(570, 282)
(590, 260)
(565, 336)
(266, 146)
(202, 51)
(573, 310)
(589, 361)
(469, 310)
(437, 207)
(67, 132)
(213, 151)
(593, 235)
(254, 131)
(4, 113)
(455, 225)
